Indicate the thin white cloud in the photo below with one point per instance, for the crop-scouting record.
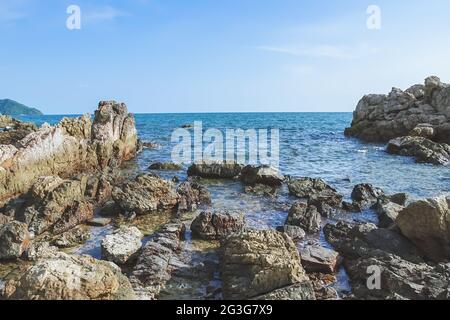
(9, 12)
(324, 51)
(106, 13)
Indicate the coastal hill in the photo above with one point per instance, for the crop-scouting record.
(14, 108)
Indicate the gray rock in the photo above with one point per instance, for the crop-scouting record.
(297, 292)
(387, 214)
(305, 217)
(120, 246)
(422, 149)
(258, 262)
(191, 195)
(296, 233)
(427, 224)
(99, 222)
(215, 170)
(319, 259)
(14, 240)
(169, 166)
(214, 226)
(266, 175)
(366, 195)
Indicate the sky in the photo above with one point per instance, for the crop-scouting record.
(217, 55)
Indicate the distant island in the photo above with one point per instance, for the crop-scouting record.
(14, 108)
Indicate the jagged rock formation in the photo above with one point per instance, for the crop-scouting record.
(72, 146)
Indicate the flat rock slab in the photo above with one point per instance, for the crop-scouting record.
(319, 259)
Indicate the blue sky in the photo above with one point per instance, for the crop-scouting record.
(217, 55)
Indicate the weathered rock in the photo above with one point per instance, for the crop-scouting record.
(319, 259)
(387, 214)
(381, 118)
(424, 130)
(296, 292)
(258, 262)
(40, 250)
(214, 226)
(191, 195)
(146, 194)
(427, 224)
(366, 195)
(13, 130)
(70, 277)
(296, 233)
(120, 246)
(327, 202)
(422, 149)
(165, 166)
(306, 187)
(72, 146)
(215, 170)
(305, 217)
(158, 259)
(403, 274)
(266, 175)
(14, 240)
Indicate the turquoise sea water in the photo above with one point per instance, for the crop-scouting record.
(311, 144)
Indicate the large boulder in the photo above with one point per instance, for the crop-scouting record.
(304, 216)
(215, 170)
(73, 146)
(319, 259)
(380, 118)
(266, 175)
(371, 254)
(70, 277)
(427, 224)
(215, 226)
(422, 149)
(255, 263)
(120, 246)
(146, 194)
(14, 240)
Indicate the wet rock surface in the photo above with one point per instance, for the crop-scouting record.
(169, 166)
(215, 170)
(265, 175)
(422, 149)
(304, 216)
(191, 195)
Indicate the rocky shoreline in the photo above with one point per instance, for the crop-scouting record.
(58, 181)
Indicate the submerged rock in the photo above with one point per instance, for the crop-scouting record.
(169, 166)
(215, 226)
(427, 224)
(266, 175)
(422, 149)
(255, 263)
(72, 146)
(146, 194)
(379, 118)
(304, 216)
(14, 240)
(215, 170)
(120, 246)
(70, 277)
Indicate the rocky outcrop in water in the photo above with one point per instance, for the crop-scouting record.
(427, 224)
(265, 175)
(255, 263)
(192, 194)
(169, 166)
(70, 277)
(72, 146)
(215, 226)
(384, 117)
(215, 170)
(120, 246)
(422, 149)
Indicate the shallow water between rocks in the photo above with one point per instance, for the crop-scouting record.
(311, 145)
